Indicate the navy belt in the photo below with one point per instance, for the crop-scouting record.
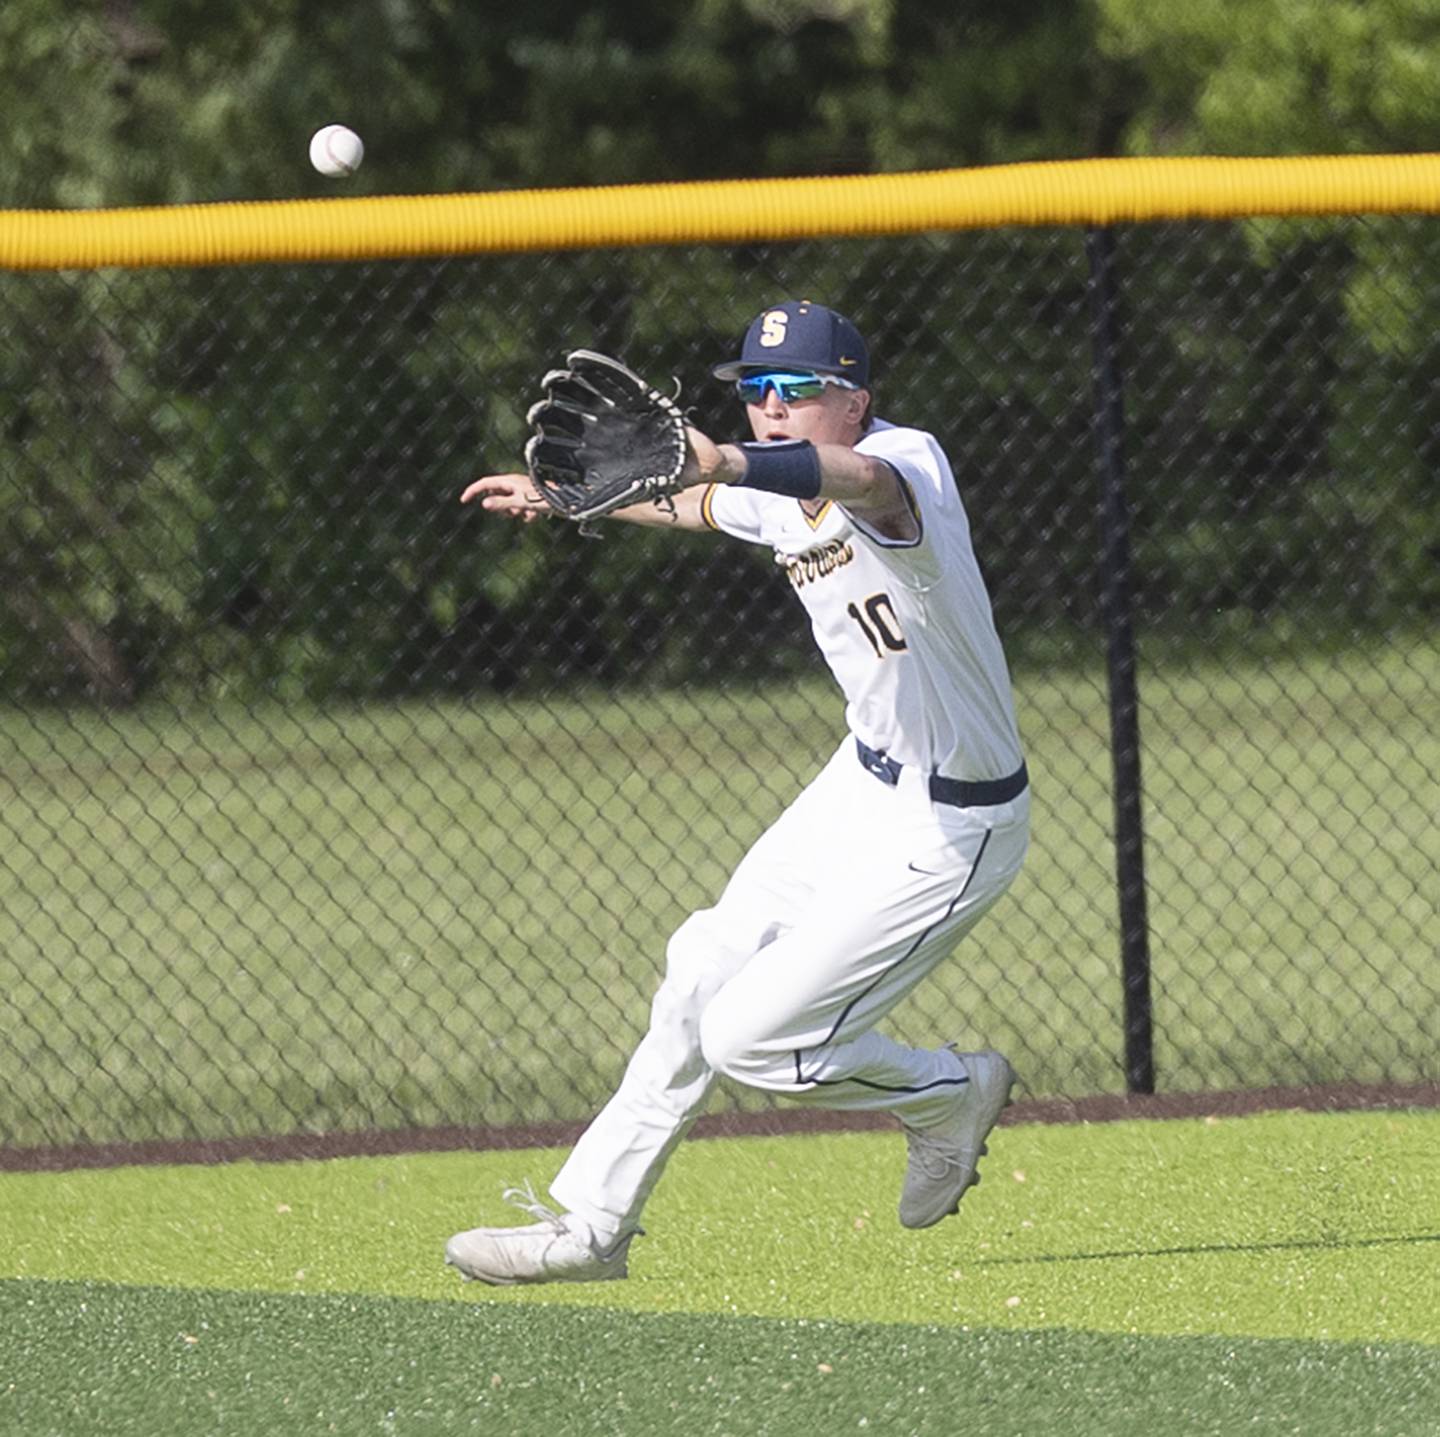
(958, 792)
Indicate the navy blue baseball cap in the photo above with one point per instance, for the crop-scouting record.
(801, 335)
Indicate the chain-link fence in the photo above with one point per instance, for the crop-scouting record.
(329, 805)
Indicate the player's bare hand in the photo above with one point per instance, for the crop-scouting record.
(511, 494)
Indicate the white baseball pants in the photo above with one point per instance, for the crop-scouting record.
(842, 906)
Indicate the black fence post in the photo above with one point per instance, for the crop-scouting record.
(1117, 605)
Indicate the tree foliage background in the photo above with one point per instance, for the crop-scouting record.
(224, 480)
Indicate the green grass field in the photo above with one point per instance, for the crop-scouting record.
(1264, 1275)
(281, 920)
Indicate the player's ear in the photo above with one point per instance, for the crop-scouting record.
(857, 405)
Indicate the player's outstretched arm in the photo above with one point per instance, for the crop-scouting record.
(514, 496)
(684, 515)
(866, 486)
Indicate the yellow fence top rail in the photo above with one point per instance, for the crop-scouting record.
(1076, 192)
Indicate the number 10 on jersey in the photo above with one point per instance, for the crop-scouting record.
(876, 617)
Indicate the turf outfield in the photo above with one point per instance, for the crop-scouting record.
(230, 923)
(162, 1363)
(1270, 1274)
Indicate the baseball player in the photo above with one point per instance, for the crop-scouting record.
(893, 852)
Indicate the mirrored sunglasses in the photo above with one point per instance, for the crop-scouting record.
(790, 385)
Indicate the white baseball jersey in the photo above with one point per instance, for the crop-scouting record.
(905, 625)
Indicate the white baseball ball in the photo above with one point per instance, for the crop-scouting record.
(336, 150)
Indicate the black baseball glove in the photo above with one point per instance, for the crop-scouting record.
(603, 439)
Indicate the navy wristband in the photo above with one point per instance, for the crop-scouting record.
(787, 466)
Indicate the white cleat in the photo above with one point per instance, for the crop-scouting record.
(544, 1251)
(944, 1158)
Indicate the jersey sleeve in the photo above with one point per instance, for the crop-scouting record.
(737, 512)
(929, 488)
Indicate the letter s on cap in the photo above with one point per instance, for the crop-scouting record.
(772, 328)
